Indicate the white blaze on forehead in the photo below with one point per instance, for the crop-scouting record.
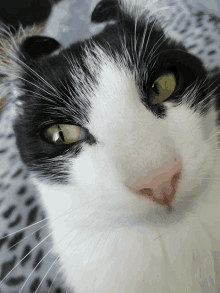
(116, 101)
(131, 134)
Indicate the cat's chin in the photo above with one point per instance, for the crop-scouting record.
(107, 257)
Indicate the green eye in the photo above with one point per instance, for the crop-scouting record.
(163, 87)
(60, 134)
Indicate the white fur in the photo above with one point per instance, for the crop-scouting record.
(110, 240)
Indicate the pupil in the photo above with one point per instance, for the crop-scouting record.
(155, 88)
(61, 133)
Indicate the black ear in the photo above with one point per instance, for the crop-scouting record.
(105, 10)
(38, 46)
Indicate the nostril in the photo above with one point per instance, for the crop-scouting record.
(160, 185)
(175, 180)
(146, 192)
(165, 193)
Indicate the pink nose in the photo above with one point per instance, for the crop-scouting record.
(160, 185)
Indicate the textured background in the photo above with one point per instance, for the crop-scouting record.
(70, 19)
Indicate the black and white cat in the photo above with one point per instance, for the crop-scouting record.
(120, 134)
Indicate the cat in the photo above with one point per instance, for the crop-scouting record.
(120, 135)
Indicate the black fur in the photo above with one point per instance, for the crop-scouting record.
(105, 10)
(158, 55)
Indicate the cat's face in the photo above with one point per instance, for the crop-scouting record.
(95, 118)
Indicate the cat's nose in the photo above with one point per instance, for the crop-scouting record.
(160, 185)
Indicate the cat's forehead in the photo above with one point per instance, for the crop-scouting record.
(131, 50)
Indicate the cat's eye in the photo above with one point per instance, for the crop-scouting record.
(61, 134)
(163, 87)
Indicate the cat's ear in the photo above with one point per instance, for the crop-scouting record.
(105, 10)
(38, 46)
(17, 49)
(17, 52)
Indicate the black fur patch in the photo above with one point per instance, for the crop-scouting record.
(36, 152)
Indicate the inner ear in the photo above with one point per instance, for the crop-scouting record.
(105, 10)
(38, 46)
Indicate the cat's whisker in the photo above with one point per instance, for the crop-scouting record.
(25, 80)
(216, 151)
(135, 36)
(25, 257)
(15, 57)
(24, 228)
(213, 136)
(37, 263)
(9, 248)
(39, 76)
(44, 97)
(41, 282)
(148, 39)
(155, 47)
(142, 44)
(100, 256)
(44, 256)
(75, 236)
(59, 270)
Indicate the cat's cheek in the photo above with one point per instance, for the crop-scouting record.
(193, 144)
(95, 173)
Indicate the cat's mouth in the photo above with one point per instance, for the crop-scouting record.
(160, 185)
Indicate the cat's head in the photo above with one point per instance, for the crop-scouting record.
(104, 126)
(121, 115)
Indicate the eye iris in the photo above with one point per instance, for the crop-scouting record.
(62, 134)
(163, 87)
